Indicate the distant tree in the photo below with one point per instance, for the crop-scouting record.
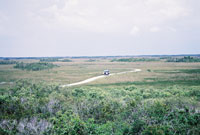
(184, 59)
(7, 62)
(134, 60)
(34, 66)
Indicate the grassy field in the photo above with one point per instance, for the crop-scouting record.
(81, 69)
(162, 99)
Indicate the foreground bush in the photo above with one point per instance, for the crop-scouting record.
(29, 108)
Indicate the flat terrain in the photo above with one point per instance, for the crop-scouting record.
(80, 69)
(99, 77)
(162, 99)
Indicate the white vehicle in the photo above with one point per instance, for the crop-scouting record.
(106, 72)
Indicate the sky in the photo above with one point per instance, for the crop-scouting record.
(38, 28)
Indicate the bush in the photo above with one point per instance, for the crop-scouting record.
(66, 60)
(158, 109)
(55, 60)
(130, 88)
(34, 66)
(49, 59)
(184, 59)
(134, 60)
(27, 99)
(69, 124)
(136, 127)
(149, 70)
(7, 62)
(100, 111)
(29, 108)
(157, 130)
(78, 93)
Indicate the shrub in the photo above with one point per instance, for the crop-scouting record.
(78, 93)
(157, 130)
(29, 108)
(34, 66)
(54, 60)
(158, 109)
(137, 126)
(184, 59)
(130, 88)
(134, 60)
(49, 59)
(149, 70)
(66, 60)
(7, 62)
(69, 124)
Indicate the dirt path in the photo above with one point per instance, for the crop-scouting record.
(98, 77)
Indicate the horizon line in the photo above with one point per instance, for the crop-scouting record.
(101, 56)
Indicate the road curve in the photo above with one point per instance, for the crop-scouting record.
(98, 77)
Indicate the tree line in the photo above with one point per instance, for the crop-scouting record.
(7, 62)
(184, 59)
(34, 66)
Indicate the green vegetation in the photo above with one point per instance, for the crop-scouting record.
(34, 66)
(190, 71)
(162, 99)
(134, 60)
(7, 62)
(66, 60)
(187, 71)
(91, 60)
(49, 59)
(29, 108)
(184, 59)
(55, 60)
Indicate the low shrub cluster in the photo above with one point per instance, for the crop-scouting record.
(49, 59)
(34, 66)
(66, 60)
(184, 59)
(29, 108)
(134, 60)
(55, 60)
(7, 62)
(91, 60)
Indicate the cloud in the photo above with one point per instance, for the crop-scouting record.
(172, 29)
(168, 8)
(135, 30)
(2, 17)
(154, 29)
(62, 27)
(3, 21)
(111, 16)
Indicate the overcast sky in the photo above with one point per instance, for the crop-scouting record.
(99, 27)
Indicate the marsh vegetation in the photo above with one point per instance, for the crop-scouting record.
(184, 59)
(162, 99)
(34, 66)
(135, 60)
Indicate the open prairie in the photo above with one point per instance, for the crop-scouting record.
(81, 69)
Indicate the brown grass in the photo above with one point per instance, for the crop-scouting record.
(79, 70)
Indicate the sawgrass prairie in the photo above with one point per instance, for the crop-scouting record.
(81, 69)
